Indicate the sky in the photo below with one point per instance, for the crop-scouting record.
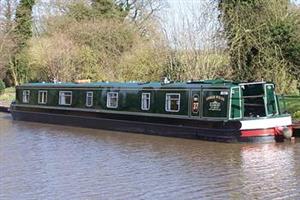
(192, 23)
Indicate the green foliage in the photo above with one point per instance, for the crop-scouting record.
(109, 9)
(53, 58)
(99, 49)
(23, 29)
(80, 11)
(103, 43)
(285, 35)
(2, 87)
(99, 9)
(18, 67)
(145, 62)
(292, 104)
(83, 40)
(263, 40)
(296, 115)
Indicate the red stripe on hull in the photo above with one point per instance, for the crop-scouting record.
(261, 132)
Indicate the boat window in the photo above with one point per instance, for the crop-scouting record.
(26, 94)
(253, 99)
(195, 104)
(145, 104)
(172, 102)
(42, 98)
(112, 100)
(65, 98)
(89, 99)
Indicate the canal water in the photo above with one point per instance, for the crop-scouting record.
(39, 161)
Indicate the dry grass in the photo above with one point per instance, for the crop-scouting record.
(8, 96)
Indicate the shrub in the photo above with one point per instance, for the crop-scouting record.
(2, 86)
(296, 115)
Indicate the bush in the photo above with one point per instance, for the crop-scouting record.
(296, 115)
(2, 87)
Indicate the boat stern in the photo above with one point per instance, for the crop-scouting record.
(277, 128)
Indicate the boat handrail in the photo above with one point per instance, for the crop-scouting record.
(252, 97)
(252, 83)
(253, 104)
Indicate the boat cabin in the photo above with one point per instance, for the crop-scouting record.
(211, 99)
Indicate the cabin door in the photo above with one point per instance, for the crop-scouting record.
(270, 100)
(195, 103)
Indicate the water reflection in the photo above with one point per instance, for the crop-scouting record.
(269, 170)
(39, 161)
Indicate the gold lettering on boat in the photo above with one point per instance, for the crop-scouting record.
(214, 106)
(215, 97)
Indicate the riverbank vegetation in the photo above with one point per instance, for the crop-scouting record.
(292, 105)
(125, 40)
(7, 96)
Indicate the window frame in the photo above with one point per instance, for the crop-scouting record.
(144, 99)
(108, 100)
(25, 96)
(89, 96)
(59, 98)
(40, 96)
(170, 100)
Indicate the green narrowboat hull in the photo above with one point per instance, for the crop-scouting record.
(211, 131)
(210, 110)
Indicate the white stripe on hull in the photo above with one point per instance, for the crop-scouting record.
(266, 123)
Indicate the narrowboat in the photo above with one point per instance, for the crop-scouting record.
(216, 110)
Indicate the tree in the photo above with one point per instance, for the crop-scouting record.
(142, 12)
(263, 40)
(195, 49)
(23, 29)
(99, 9)
(99, 44)
(109, 9)
(22, 32)
(7, 44)
(53, 58)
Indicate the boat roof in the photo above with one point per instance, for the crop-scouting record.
(188, 84)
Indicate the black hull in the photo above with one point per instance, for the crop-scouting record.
(166, 128)
(4, 109)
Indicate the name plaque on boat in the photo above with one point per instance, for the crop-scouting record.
(215, 103)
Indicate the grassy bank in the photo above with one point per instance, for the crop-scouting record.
(293, 106)
(8, 96)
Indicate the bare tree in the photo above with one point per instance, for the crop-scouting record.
(7, 44)
(53, 58)
(141, 11)
(196, 50)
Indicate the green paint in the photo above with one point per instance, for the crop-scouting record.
(271, 102)
(211, 99)
(235, 103)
